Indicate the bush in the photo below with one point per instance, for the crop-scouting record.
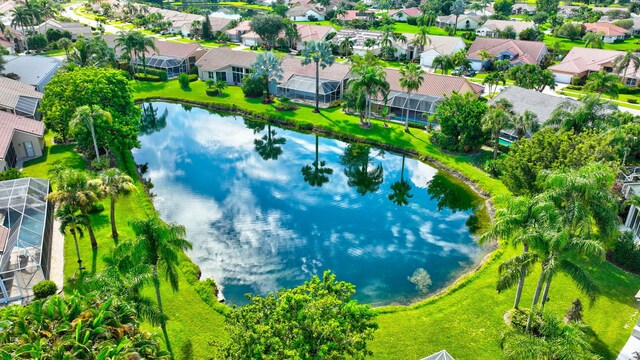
(10, 174)
(286, 106)
(184, 80)
(573, 87)
(147, 77)
(305, 126)
(37, 42)
(412, 20)
(101, 164)
(190, 270)
(212, 92)
(252, 87)
(44, 289)
(577, 80)
(634, 90)
(626, 253)
(159, 73)
(96, 208)
(336, 103)
(632, 101)
(193, 77)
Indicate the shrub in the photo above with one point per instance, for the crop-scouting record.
(632, 101)
(634, 90)
(193, 70)
(159, 73)
(626, 253)
(190, 270)
(44, 289)
(184, 80)
(147, 77)
(305, 126)
(96, 208)
(336, 103)
(252, 87)
(193, 77)
(101, 164)
(212, 92)
(412, 20)
(10, 174)
(574, 313)
(577, 80)
(286, 106)
(37, 42)
(573, 87)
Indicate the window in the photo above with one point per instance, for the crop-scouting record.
(630, 82)
(239, 73)
(211, 75)
(221, 75)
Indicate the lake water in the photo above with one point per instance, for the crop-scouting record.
(261, 216)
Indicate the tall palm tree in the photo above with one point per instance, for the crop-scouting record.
(593, 40)
(457, 9)
(630, 59)
(86, 116)
(144, 44)
(318, 52)
(317, 173)
(497, 118)
(346, 46)
(400, 189)
(268, 147)
(267, 66)
(411, 78)
(493, 80)
(372, 79)
(115, 184)
(74, 223)
(158, 245)
(126, 41)
(421, 39)
(527, 121)
(442, 61)
(603, 83)
(76, 190)
(65, 43)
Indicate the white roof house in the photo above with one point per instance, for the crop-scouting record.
(492, 28)
(32, 70)
(75, 28)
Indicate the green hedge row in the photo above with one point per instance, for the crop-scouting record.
(147, 77)
(159, 73)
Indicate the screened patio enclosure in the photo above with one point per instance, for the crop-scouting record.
(399, 103)
(172, 66)
(25, 237)
(304, 88)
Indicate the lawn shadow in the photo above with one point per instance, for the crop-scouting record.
(599, 346)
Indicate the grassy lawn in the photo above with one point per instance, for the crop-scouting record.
(56, 52)
(244, 5)
(323, 23)
(566, 44)
(190, 319)
(621, 101)
(479, 78)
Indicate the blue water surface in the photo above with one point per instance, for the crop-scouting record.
(259, 222)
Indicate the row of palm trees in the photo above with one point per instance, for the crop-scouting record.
(28, 13)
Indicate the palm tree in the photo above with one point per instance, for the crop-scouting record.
(86, 116)
(527, 121)
(411, 78)
(493, 80)
(400, 189)
(373, 81)
(159, 245)
(495, 120)
(319, 52)
(442, 61)
(76, 190)
(421, 39)
(143, 44)
(622, 63)
(73, 222)
(268, 147)
(92, 52)
(126, 41)
(593, 40)
(115, 183)
(267, 66)
(485, 56)
(65, 44)
(457, 9)
(346, 46)
(316, 173)
(603, 82)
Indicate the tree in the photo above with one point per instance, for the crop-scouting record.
(107, 88)
(159, 245)
(503, 7)
(268, 27)
(356, 160)
(318, 52)
(372, 79)
(92, 52)
(207, 31)
(603, 82)
(317, 320)
(508, 33)
(570, 30)
(547, 6)
(531, 34)
(497, 117)
(268, 147)
(76, 191)
(622, 63)
(317, 173)
(267, 66)
(443, 62)
(457, 9)
(527, 121)
(531, 76)
(400, 189)
(460, 119)
(115, 184)
(494, 79)
(85, 117)
(593, 40)
(74, 223)
(64, 44)
(3, 62)
(421, 39)
(136, 45)
(588, 113)
(346, 46)
(411, 78)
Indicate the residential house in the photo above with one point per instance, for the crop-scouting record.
(25, 238)
(356, 14)
(306, 13)
(75, 28)
(569, 10)
(12, 40)
(465, 21)
(20, 139)
(310, 32)
(581, 62)
(219, 23)
(635, 29)
(518, 52)
(440, 45)
(360, 38)
(36, 71)
(180, 22)
(224, 64)
(523, 9)
(403, 15)
(299, 81)
(540, 104)
(609, 32)
(425, 99)
(235, 34)
(492, 28)
(19, 98)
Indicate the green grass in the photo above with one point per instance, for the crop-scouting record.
(190, 319)
(479, 78)
(323, 23)
(566, 44)
(620, 101)
(467, 319)
(241, 4)
(55, 52)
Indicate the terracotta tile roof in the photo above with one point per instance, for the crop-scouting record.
(527, 52)
(581, 60)
(173, 49)
(9, 123)
(435, 85)
(219, 23)
(313, 32)
(222, 57)
(412, 11)
(11, 91)
(293, 66)
(355, 14)
(243, 26)
(302, 9)
(500, 25)
(607, 28)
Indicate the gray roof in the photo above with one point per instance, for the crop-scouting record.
(440, 355)
(31, 69)
(15, 94)
(536, 102)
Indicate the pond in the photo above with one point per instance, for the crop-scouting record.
(265, 208)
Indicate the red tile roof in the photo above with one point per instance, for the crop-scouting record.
(435, 85)
(606, 28)
(412, 11)
(528, 52)
(313, 32)
(9, 123)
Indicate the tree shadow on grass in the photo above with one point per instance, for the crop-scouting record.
(599, 346)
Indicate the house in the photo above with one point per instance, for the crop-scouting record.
(632, 347)
(225, 64)
(635, 29)
(523, 9)
(540, 104)
(440, 45)
(492, 28)
(363, 40)
(465, 21)
(19, 98)
(310, 32)
(36, 71)
(434, 89)
(180, 22)
(20, 139)
(219, 23)
(518, 52)
(25, 237)
(403, 15)
(75, 28)
(569, 10)
(299, 81)
(306, 13)
(356, 14)
(610, 33)
(11, 40)
(581, 62)
(235, 34)
(251, 38)
(440, 355)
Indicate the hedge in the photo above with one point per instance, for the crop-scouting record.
(159, 73)
(147, 77)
